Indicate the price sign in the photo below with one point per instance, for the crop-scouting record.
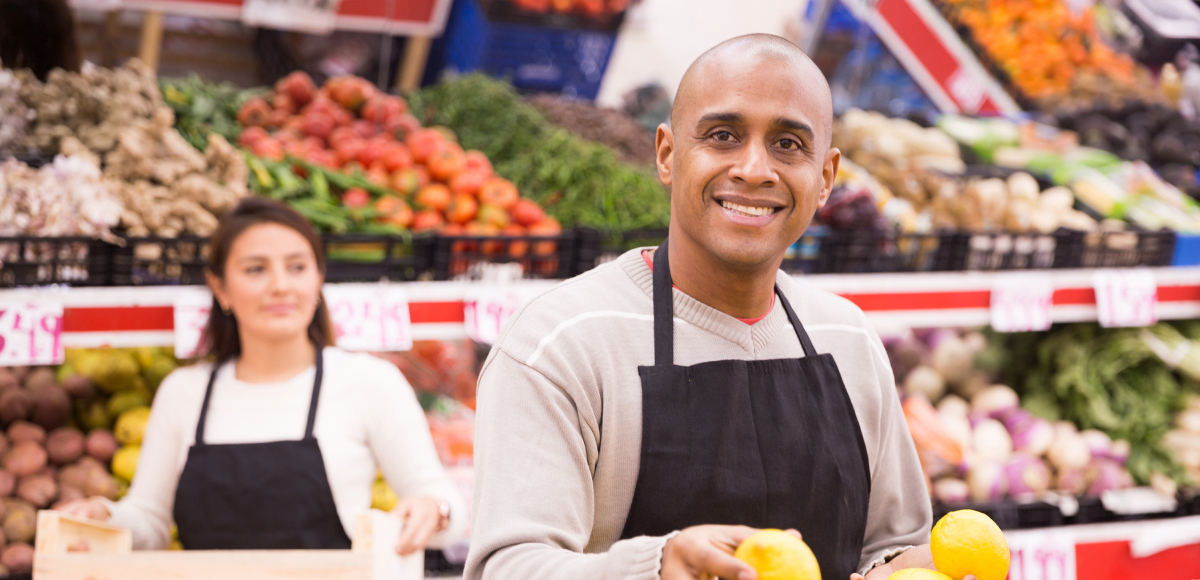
(1126, 298)
(485, 314)
(1041, 555)
(311, 16)
(191, 316)
(370, 318)
(31, 334)
(1021, 303)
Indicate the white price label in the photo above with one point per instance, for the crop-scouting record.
(31, 334)
(96, 5)
(1021, 303)
(311, 16)
(1041, 555)
(191, 316)
(370, 318)
(485, 314)
(1126, 298)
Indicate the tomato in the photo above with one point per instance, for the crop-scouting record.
(423, 143)
(356, 197)
(547, 227)
(499, 192)
(351, 92)
(321, 103)
(323, 157)
(278, 117)
(401, 126)
(467, 182)
(397, 157)
(255, 113)
(342, 117)
(313, 142)
(490, 214)
(446, 162)
(378, 175)
(434, 196)
(284, 102)
(516, 248)
(462, 209)
(372, 152)
(294, 124)
(394, 211)
(452, 230)
(341, 134)
(318, 124)
(252, 135)
(348, 148)
(427, 220)
(476, 161)
(268, 148)
(378, 108)
(527, 213)
(297, 85)
(481, 229)
(365, 129)
(409, 180)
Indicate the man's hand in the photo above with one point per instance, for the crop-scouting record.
(918, 557)
(421, 521)
(706, 552)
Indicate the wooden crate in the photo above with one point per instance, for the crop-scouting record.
(70, 548)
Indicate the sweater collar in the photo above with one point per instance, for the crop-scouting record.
(751, 337)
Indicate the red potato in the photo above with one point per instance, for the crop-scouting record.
(68, 493)
(39, 490)
(101, 444)
(20, 520)
(65, 445)
(8, 380)
(25, 458)
(40, 377)
(26, 431)
(17, 558)
(15, 405)
(51, 406)
(8, 483)
(81, 387)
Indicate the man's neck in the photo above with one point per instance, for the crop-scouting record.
(738, 293)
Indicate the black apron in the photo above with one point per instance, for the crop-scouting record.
(258, 496)
(766, 444)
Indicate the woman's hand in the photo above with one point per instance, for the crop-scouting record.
(917, 557)
(92, 508)
(706, 553)
(422, 519)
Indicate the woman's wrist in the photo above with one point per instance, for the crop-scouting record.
(443, 510)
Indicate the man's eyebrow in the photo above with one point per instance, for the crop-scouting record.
(721, 118)
(796, 126)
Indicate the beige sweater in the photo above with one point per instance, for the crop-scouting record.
(559, 424)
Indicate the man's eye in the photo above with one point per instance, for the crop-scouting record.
(789, 144)
(723, 136)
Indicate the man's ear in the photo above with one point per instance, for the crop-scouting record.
(664, 148)
(829, 174)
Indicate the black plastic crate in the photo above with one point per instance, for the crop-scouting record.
(1008, 251)
(825, 251)
(74, 261)
(371, 258)
(1123, 249)
(553, 257)
(1091, 511)
(1004, 512)
(160, 262)
(1038, 514)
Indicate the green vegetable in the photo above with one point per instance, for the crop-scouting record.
(577, 181)
(202, 107)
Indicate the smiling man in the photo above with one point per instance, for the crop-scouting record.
(642, 419)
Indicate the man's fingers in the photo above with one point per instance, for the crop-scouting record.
(795, 533)
(717, 562)
(857, 576)
(417, 533)
(737, 534)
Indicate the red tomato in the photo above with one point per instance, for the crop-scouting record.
(468, 182)
(278, 117)
(284, 102)
(318, 124)
(342, 117)
(378, 108)
(255, 113)
(356, 197)
(297, 85)
(446, 162)
(365, 129)
(546, 227)
(462, 209)
(481, 229)
(342, 134)
(397, 157)
(268, 148)
(251, 135)
(477, 162)
(424, 143)
(401, 126)
(527, 213)
(434, 196)
(427, 220)
(490, 214)
(516, 248)
(394, 210)
(378, 175)
(348, 148)
(351, 92)
(499, 192)
(372, 152)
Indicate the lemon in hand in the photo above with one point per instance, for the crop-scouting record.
(918, 574)
(778, 555)
(968, 542)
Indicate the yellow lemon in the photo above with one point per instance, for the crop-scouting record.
(778, 555)
(918, 574)
(968, 542)
(382, 497)
(124, 462)
(131, 425)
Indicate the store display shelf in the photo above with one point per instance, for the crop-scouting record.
(144, 316)
(1161, 549)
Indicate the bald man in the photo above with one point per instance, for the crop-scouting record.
(641, 420)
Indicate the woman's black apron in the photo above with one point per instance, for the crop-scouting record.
(258, 496)
(766, 444)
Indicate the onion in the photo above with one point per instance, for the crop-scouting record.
(1064, 428)
(974, 383)
(1030, 434)
(958, 427)
(1069, 452)
(953, 359)
(987, 482)
(991, 441)
(994, 399)
(925, 381)
(1106, 475)
(953, 405)
(1071, 481)
(1098, 443)
(975, 341)
(1027, 477)
(951, 490)
(1119, 452)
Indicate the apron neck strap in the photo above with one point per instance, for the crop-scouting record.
(312, 406)
(664, 315)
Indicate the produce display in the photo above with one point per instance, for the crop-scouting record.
(586, 7)
(632, 142)
(578, 182)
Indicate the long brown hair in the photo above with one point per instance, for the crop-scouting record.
(221, 337)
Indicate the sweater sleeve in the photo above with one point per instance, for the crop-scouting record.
(147, 509)
(534, 499)
(899, 515)
(398, 435)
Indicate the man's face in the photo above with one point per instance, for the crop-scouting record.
(747, 158)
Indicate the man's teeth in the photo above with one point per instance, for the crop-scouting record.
(748, 209)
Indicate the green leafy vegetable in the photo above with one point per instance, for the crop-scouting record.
(202, 107)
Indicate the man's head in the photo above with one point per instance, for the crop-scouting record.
(747, 154)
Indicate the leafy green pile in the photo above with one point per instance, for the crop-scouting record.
(579, 182)
(202, 107)
(1106, 379)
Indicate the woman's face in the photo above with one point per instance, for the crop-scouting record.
(271, 283)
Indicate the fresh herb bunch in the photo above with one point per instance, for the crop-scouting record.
(1106, 379)
(579, 182)
(202, 107)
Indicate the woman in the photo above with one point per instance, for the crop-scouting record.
(276, 444)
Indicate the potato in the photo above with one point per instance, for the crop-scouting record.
(69, 493)
(7, 379)
(51, 406)
(8, 483)
(20, 521)
(39, 490)
(101, 483)
(64, 445)
(15, 405)
(40, 377)
(101, 444)
(79, 387)
(18, 558)
(25, 458)
(26, 431)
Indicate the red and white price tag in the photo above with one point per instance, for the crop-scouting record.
(31, 333)
(370, 318)
(191, 316)
(1041, 555)
(485, 313)
(311, 16)
(1126, 297)
(1021, 302)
